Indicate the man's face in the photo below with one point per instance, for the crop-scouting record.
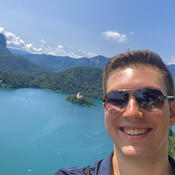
(123, 126)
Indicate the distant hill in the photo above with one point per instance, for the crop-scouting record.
(61, 63)
(171, 67)
(18, 52)
(15, 63)
(2, 41)
(69, 78)
(87, 80)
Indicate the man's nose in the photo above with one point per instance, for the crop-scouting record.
(132, 110)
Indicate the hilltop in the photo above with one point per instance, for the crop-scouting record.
(17, 64)
(61, 63)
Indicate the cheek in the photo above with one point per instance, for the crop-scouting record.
(110, 120)
(160, 120)
(111, 124)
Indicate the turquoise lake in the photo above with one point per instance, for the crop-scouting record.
(41, 132)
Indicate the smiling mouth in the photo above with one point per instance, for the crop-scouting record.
(136, 132)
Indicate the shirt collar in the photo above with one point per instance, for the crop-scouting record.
(106, 164)
(172, 163)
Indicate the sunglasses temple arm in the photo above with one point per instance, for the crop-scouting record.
(170, 97)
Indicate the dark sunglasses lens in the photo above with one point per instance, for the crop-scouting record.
(118, 98)
(149, 99)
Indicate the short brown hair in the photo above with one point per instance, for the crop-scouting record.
(143, 57)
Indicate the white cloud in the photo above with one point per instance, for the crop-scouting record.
(89, 54)
(43, 42)
(1, 30)
(59, 51)
(172, 60)
(132, 33)
(14, 41)
(86, 54)
(113, 35)
(60, 46)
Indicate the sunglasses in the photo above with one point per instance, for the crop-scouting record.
(147, 99)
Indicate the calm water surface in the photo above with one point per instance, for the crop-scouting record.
(40, 132)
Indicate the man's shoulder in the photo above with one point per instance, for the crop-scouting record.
(80, 170)
(71, 170)
(172, 163)
(101, 167)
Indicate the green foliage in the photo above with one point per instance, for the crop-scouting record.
(19, 65)
(62, 63)
(171, 147)
(86, 80)
(81, 79)
(82, 101)
(170, 133)
(171, 143)
(12, 80)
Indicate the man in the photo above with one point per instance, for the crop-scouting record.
(139, 109)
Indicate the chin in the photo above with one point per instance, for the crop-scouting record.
(133, 152)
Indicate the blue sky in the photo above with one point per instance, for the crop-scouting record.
(81, 28)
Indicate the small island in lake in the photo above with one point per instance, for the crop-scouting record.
(79, 99)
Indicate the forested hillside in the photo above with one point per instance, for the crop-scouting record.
(18, 72)
(81, 79)
(62, 63)
(17, 64)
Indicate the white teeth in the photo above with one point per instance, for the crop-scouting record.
(135, 131)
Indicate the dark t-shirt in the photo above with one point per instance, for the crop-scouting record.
(102, 167)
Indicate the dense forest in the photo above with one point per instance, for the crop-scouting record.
(81, 79)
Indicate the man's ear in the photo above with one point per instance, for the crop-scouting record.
(172, 113)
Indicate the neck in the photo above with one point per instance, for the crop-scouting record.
(123, 165)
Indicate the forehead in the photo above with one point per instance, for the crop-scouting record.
(135, 77)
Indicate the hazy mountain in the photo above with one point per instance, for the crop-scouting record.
(39, 63)
(171, 67)
(18, 52)
(61, 63)
(2, 41)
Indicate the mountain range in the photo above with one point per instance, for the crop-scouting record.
(53, 72)
(62, 63)
(16, 63)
